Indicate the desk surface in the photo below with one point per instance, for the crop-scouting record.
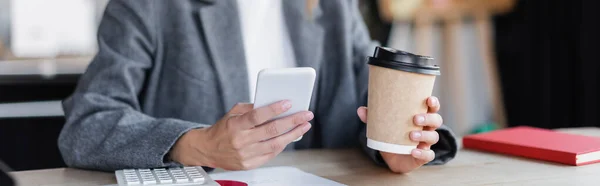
(351, 167)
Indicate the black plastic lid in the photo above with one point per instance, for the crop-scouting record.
(405, 61)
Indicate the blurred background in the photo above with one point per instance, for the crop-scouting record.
(504, 63)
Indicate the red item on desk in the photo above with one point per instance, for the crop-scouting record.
(230, 183)
(539, 144)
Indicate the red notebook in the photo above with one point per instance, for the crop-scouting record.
(539, 144)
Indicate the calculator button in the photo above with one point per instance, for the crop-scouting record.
(147, 176)
(149, 182)
(177, 174)
(130, 175)
(131, 178)
(132, 181)
(162, 174)
(181, 179)
(167, 180)
(166, 175)
(197, 178)
(192, 171)
(128, 171)
(195, 175)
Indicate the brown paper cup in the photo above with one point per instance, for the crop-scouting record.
(395, 97)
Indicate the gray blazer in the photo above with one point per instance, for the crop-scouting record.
(165, 67)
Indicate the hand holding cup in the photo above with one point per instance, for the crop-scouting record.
(403, 163)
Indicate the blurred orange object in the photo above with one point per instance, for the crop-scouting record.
(407, 10)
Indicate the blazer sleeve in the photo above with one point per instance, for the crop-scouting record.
(363, 46)
(105, 128)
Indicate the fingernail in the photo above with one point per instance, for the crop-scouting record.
(416, 135)
(308, 116)
(286, 105)
(420, 119)
(306, 127)
(433, 101)
(417, 153)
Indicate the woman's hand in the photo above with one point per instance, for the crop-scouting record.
(242, 139)
(400, 163)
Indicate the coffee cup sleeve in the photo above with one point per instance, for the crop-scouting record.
(445, 149)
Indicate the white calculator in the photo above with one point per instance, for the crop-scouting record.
(185, 176)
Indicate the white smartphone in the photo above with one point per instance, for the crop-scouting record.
(294, 84)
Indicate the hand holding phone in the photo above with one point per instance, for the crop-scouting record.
(293, 84)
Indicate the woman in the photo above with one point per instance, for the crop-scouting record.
(160, 90)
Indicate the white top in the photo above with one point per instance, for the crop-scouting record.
(266, 40)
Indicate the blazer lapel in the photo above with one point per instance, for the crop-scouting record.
(222, 32)
(306, 35)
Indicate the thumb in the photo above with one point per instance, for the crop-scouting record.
(362, 114)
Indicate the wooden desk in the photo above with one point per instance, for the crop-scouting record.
(353, 168)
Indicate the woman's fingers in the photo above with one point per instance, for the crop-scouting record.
(423, 155)
(428, 137)
(434, 104)
(260, 115)
(256, 154)
(278, 127)
(278, 143)
(362, 113)
(433, 121)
